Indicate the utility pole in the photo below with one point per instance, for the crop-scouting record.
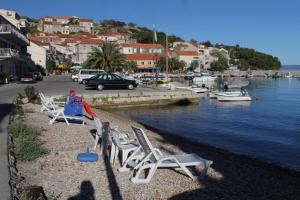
(167, 54)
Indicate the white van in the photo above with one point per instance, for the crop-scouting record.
(88, 73)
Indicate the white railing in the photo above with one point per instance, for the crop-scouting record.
(8, 52)
(7, 28)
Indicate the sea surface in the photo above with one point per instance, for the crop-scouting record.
(267, 128)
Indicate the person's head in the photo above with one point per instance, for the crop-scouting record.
(72, 93)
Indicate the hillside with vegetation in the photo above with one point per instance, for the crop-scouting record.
(244, 58)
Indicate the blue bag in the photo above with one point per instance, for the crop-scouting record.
(73, 106)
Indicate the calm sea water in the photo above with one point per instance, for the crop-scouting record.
(268, 128)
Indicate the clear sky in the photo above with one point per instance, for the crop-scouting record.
(271, 26)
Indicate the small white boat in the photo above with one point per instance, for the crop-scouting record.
(199, 89)
(203, 79)
(233, 96)
(288, 75)
(214, 94)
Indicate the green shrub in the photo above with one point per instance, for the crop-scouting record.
(19, 110)
(32, 94)
(26, 142)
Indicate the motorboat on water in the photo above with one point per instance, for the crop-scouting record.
(203, 79)
(233, 92)
(214, 94)
(241, 96)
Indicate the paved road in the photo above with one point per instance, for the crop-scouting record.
(52, 85)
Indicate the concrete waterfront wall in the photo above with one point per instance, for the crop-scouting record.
(259, 73)
(139, 98)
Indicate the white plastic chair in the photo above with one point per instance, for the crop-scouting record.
(48, 103)
(154, 159)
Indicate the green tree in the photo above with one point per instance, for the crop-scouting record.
(33, 30)
(194, 65)
(131, 24)
(219, 65)
(176, 65)
(130, 66)
(243, 64)
(50, 65)
(207, 43)
(107, 57)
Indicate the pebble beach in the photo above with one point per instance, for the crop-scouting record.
(63, 177)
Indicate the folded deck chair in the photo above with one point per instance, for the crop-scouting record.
(154, 159)
(121, 144)
(99, 133)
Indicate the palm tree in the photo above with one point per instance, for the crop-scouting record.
(107, 57)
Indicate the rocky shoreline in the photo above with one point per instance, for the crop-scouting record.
(230, 177)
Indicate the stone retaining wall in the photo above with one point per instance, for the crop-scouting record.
(259, 73)
(130, 99)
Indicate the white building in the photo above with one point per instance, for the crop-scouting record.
(38, 53)
(139, 48)
(14, 60)
(184, 46)
(115, 37)
(207, 55)
(187, 56)
(83, 48)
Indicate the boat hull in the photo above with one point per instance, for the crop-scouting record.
(234, 98)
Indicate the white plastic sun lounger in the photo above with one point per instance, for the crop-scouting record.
(59, 114)
(154, 159)
(48, 103)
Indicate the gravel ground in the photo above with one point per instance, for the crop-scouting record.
(230, 177)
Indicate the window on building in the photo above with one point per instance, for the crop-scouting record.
(142, 63)
(149, 62)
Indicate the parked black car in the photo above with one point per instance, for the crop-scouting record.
(109, 81)
(28, 78)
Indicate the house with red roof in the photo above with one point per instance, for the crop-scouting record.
(187, 56)
(115, 37)
(63, 19)
(145, 62)
(48, 19)
(86, 24)
(140, 48)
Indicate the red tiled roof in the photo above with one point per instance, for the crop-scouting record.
(70, 40)
(91, 41)
(47, 17)
(141, 45)
(47, 23)
(141, 56)
(186, 53)
(63, 17)
(85, 20)
(113, 34)
(40, 43)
